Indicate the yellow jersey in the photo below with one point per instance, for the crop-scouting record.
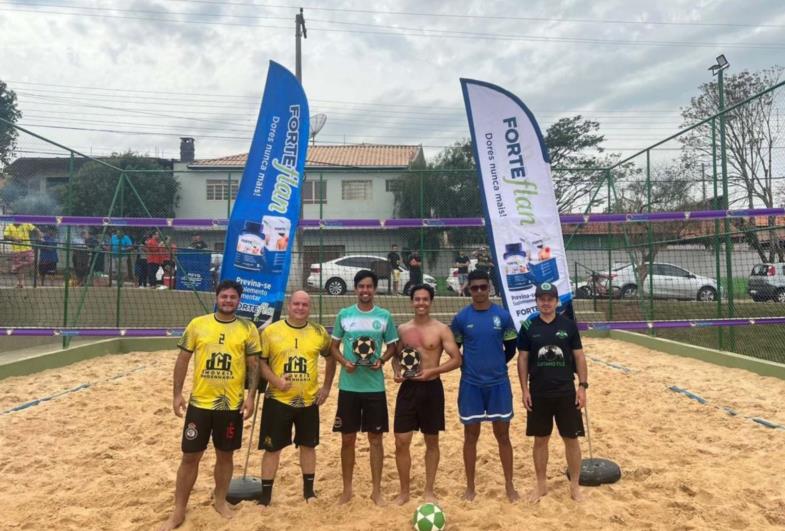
(19, 233)
(293, 352)
(220, 350)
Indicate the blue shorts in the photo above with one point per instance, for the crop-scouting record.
(485, 403)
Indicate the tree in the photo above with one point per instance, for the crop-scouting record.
(93, 189)
(9, 113)
(449, 188)
(672, 189)
(753, 131)
(575, 151)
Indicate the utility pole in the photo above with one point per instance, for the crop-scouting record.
(299, 24)
(299, 32)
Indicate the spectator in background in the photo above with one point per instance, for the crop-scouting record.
(216, 261)
(96, 253)
(485, 263)
(140, 266)
(155, 258)
(120, 245)
(394, 259)
(81, 258)
(47, 256)
(197, 242)
(169, 250)
(22, 258)
(462, 264)
(415, 269)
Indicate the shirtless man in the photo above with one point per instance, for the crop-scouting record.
(420, 401)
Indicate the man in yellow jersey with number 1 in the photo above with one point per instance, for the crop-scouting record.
(224, 346)
(291, 349)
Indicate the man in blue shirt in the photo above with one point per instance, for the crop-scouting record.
(488, 336)
(120, 245)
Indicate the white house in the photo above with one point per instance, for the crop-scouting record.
(341, 182)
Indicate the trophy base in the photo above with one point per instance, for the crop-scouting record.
(409, 374)
(364, 363)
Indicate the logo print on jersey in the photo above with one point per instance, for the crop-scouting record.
(561, 334)
(296, 369)
(497, 322)
(550, 356)
(218, 367)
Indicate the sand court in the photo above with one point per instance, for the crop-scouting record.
(105, 456)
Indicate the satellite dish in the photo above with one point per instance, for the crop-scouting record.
(317, 122)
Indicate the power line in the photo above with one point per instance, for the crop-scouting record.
(451, 34)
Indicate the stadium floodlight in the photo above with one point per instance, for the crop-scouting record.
(722, 64)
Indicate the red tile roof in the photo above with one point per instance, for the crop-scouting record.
(346, 156)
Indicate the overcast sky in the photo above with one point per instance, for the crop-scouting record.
(103, 76)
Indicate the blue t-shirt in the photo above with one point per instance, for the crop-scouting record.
(483, 333)
(48, 252)
(372, 330)
(120, 244)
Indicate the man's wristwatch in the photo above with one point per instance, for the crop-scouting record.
(585, 385)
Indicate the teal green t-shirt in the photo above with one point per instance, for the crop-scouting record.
(356, 329)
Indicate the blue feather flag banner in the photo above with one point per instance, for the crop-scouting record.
(521, 214)
(259, 239)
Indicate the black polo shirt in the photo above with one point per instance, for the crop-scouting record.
(551, 359)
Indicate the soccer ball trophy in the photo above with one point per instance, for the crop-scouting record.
(410, 362)
(364, 348)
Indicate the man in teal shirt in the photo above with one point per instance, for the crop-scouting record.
(367, 333)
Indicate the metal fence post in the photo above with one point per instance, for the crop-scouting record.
(610, 250)
(728, 241)
(716, 206)
(649, 276)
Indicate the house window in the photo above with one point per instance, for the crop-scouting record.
(393, 185)
(54, 182)
(314, 192)
(356, 190)
(218, 189)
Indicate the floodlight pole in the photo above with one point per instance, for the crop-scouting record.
(718, 70)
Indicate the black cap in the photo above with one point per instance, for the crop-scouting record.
(546, 288)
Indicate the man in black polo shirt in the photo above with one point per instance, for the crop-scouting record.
(549, 353)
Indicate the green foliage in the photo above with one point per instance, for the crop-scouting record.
(93, 189)
(10, 113)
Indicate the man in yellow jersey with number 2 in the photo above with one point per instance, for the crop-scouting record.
(223, 346)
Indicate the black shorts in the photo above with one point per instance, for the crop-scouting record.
(47, 268)
(226, 428)
(278, 418)
(420, 406)
(361, 412)
(539, 421)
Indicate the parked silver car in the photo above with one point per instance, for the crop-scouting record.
(668, 282)
(767, 282)
(338, 275)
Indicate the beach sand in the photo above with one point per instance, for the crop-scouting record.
(105, 457)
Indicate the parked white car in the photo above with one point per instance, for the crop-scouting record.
(452, 278)
(767, 282)
(669, 282)
(338, 275)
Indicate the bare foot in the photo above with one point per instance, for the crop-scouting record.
(576, 494)
(401, 498)
(223, 508)
(346, 496)
(513, 495)
(537, 492)
(430, 497)
(173, 521)
(311, 499)
(469, 495)
(377, 499)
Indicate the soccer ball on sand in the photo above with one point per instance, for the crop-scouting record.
(429, 517)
